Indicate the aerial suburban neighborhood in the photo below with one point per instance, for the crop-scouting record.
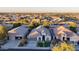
(39, 31)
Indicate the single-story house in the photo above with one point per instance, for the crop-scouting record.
(57, 25)
(63, 33)
(38, 32)
(18, 33)
(8, 26)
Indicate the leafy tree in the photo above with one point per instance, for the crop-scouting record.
(73, 29)
(3, 33)
(46, 23)
(31, 26)
(34, 23)
(24, 21)
(64, 47)
(72, 26)
(16, 24)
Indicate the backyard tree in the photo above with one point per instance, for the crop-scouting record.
(72, 26)
(34, 23)
(73, 29)
(24, 21)
(3, 33)
(64, 47)
(46, 23)
(31, 26)
(16, 24)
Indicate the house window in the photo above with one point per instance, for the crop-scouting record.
(55, 38)
(43, 37)
(47, 38)
(39, 38)
(78, 42)
(63, 38)
(68, 39)
(18, 38)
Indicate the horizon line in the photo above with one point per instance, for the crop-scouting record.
(39, 10)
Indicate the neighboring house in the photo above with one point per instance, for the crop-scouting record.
(63, 33)
(8, 26)
(18, 33)
(38, 32)
(1, 21)
(77, 29)
(57, 25)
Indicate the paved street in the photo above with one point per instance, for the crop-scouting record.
(10, 44)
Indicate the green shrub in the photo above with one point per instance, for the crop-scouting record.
(39, 44)
(43, 44)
